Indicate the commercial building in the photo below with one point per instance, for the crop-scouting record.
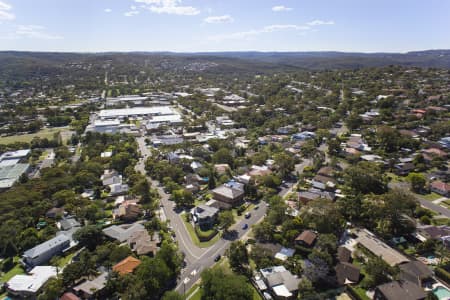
(136, 112)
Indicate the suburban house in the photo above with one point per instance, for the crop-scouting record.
(404, 168)
(441, 233)
(369, 241)
(221, 169)
(69, 223)
(143, 244)
(55, 212)
(416, 272)
(42, 253)
(306, 238)
(279, 281)
(90, 288)
(395, 290)
(118, 189)
(127, 265)
(347, 273)
(324, 182)
(440, 188)
(127, 211)
(205, 216)
(123, 232)
(28, 286)
(229, 194)
(344, 254)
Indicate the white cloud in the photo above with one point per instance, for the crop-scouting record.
(219, 19)
(320, 22)
(5, 12)
(107, 10)
(35, 32)
(279, 8)
(255, 32)
(172, 7)
(131, 13)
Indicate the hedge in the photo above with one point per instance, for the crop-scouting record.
(355, 294)
(443, 275)
(204, 236)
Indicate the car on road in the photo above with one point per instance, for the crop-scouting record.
(256, 207)
(245, 226)
(248, 215)
(217, 258)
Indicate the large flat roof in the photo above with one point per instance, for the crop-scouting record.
(10, 174)
(379, 248)
(136, 111)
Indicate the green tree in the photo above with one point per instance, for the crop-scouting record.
(89, 236)
(365, 177)
(417, 181)
(223, 156)
(285, 164)
(263, 231)
(306, 289)
(155, 275)
(226, 219)
(378, 271)
(217, 285)
(238, 257)
(72, 272)
(172, 295)
(183, 198)
(52, 289)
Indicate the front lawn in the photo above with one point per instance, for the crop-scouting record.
(194, 236)
(17, 270)
(430, 197)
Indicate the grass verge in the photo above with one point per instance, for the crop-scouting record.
(194, 236)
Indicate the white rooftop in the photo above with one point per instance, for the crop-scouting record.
(99, 123)
(136, 111)
(165, 118)
(33, 282)
(15, 154)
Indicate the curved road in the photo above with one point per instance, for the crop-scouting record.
(198, 259)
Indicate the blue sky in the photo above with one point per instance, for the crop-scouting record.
(226, 25)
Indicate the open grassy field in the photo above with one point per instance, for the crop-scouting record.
(26, 138)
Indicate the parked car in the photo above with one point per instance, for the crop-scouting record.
(217, 258)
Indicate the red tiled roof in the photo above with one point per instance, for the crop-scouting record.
(69, 296)
(127, 265)
(439, 185)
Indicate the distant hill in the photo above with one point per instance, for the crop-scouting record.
(345, 60)
(22, 65)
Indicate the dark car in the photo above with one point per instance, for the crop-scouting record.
(245, 226)
(217, 258)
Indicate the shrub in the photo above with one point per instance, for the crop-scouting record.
(443, 275)
(7, 264)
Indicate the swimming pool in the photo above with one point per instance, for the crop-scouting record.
(442, 293)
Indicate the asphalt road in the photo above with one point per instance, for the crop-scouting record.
(424, 202)
(197, 259)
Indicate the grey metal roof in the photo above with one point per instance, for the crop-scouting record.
(122, 232)
(44, 247)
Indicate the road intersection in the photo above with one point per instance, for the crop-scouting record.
(197, 259)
